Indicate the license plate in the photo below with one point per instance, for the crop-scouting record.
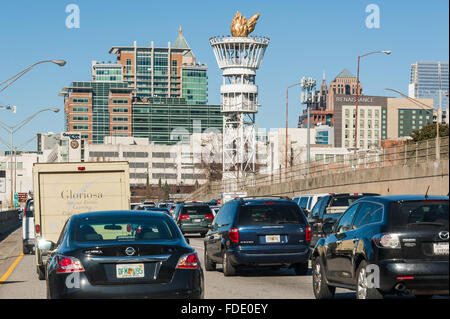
(440, 248)
(196, 220)
(273, 238)
(130, 271)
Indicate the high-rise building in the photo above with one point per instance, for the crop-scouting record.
(168, 72)
(430, 80)
(344, 83)
(148, 92)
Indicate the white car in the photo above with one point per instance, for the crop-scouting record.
(28, 227)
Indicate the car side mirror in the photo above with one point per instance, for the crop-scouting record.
(328, 227)
(46, 245)
(187, 240)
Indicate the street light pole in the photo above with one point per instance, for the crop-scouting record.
(357, 94)
(17, 76)
(287, 107)
(13, 129)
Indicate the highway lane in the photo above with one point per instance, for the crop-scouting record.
(250, 283)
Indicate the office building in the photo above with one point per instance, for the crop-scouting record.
(430, 80)
(344, 84)
(154, 92)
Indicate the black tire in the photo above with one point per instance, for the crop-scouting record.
(25, 249)
(41, 272)
(362, 291)
(301, 269)
(209, 265)
(228, 268)
(320, 288)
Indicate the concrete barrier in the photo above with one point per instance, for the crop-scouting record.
(8, 220)
(391, 180)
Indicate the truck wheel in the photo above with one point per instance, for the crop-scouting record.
(301, 269)
(41, 272)
(209, 265)
(25, 249)
(362, 289)
(320, 287)
(228, 268)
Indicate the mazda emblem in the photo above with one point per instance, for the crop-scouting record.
(443, 235)
(130, 251)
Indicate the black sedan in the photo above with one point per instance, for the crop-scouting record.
(123, 254)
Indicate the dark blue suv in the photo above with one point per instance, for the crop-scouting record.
(258, 232)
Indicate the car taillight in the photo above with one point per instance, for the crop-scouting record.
(68, 264)
(387, 241)
(209, 216)
(269, 203)
(233, 234)
(188, 261)
(184, 217)
(308, 233)
(38, 229)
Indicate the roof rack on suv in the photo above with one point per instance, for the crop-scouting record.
(250, 197)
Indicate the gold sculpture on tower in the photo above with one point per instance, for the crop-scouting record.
(241, 27)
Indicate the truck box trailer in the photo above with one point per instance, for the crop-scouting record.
(64, 189)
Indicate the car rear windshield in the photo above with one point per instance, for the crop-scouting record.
(110, 229)
(419, 213)
(344, 200)
(196, 210)
(260, 215)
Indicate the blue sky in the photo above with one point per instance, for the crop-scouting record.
(307, 39)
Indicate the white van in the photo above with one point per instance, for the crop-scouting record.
(308, 201)
(28, 227)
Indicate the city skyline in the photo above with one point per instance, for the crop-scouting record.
(328, 47)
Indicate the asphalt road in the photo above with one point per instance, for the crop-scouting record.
(22, 283)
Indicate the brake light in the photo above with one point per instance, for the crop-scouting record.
(233, 234)
(219, 201)
(81, 168)
(405, 278)
(68, 264)
(269, 203)
(184, 217)
(209, 216)
(38, 229)
(188, 261)
(308, 233)
(387, 241)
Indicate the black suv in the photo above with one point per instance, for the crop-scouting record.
(383, 245)
(193, 217)
(330, 207)
(258, 232)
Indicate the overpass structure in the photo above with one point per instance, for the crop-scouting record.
(406, 169)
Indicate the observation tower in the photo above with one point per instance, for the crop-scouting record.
(239, 56)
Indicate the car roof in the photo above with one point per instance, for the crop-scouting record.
(118, 213)
(259, 201)
(399, 198)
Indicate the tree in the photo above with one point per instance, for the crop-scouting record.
(429, 132)
(166, 191)
(160, 183)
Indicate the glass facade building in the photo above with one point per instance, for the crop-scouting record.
(170, 120)
(410, 120)
(148, 92)
(430, 80)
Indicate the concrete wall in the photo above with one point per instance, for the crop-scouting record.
(392, 180)
(8, 220)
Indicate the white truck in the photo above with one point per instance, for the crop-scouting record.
(226, 197)
(65, 189)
